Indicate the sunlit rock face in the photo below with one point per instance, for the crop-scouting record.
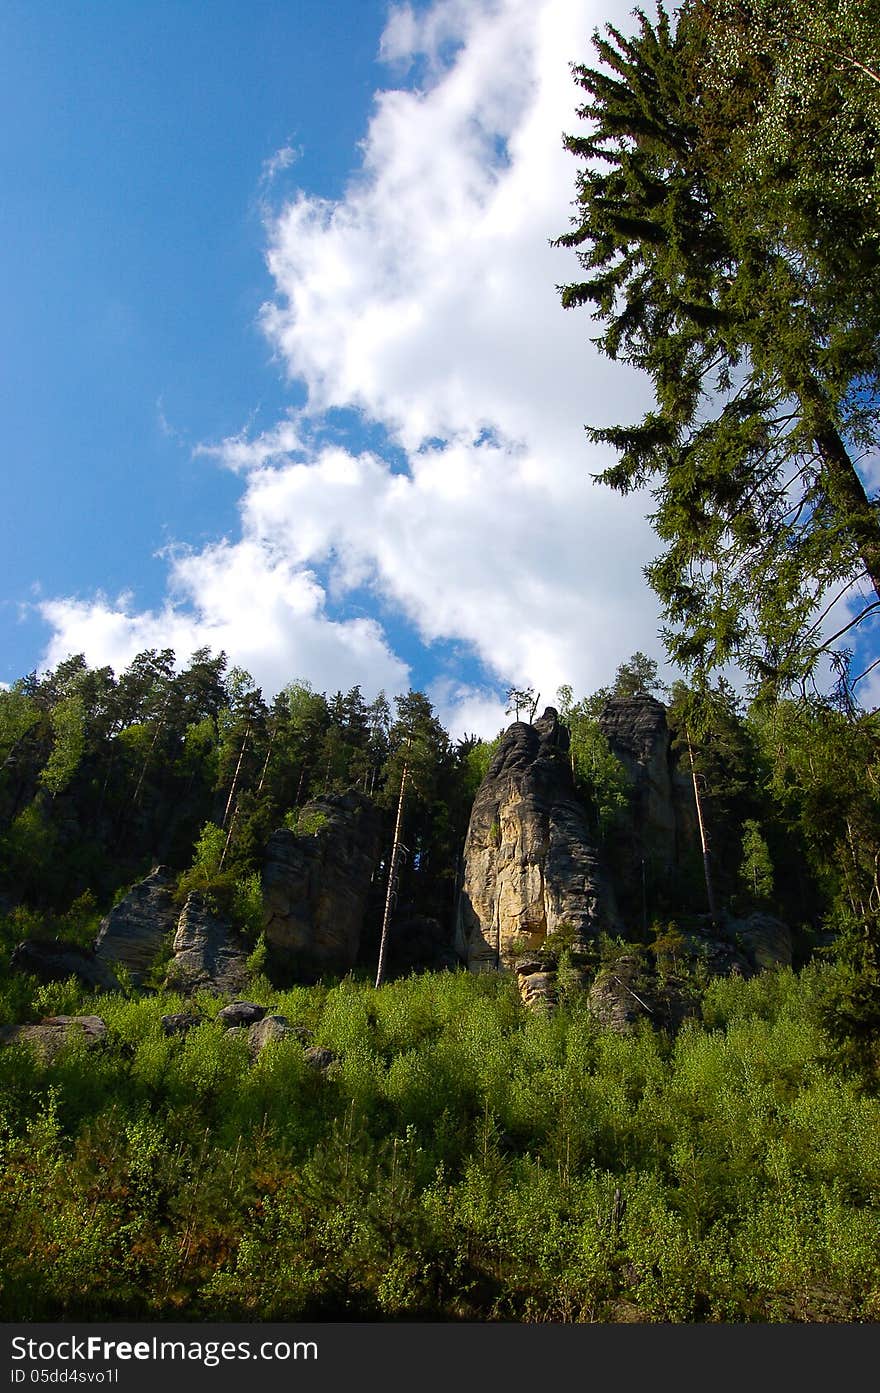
(209, 953)
(530, 865)
(133, 933)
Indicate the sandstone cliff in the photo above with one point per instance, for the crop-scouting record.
(316, 886)
(208, 952)
(133, 933)
(656, 837)
(530, 867)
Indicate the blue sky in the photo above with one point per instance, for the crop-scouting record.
(133, 138)
(284, 366)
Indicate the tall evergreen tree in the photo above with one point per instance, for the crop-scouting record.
(715, 277)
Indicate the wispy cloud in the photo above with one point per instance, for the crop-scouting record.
(242, 452)
(277, 163)
(166, 428)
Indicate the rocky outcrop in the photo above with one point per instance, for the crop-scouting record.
(537, 983)
(51, 1035)
(133, 933)
(208, 952)
(530, 867)
(657, 833)
(53, 961)
(241, 1013)
(658, 986)
(316, 886)
(622, 994)
(273, 1029)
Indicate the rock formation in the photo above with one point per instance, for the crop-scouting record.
(51, 1035)
(54, 961)
(208, 953)
(530, 865)
(241, 1013)
(657, 834)
(765, 940)
(537, 983)
(316, 886)
(134, 931)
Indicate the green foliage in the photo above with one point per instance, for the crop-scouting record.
(727, 258)
(668, 945)
(756, 870)
(599, 774)
(247, 904)
(522, 699)
(306, 822)
(636, 676)
(237, 896)
(68, 730)
(460, 1158)
(19, 714)
(463, 1160)
(204, 875)
(477, 759)
(29, 851)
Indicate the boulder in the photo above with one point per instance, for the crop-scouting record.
(49, 1036)
(766, 940)
(530, 866)
(620, 996)
(537, 985)
(241, 1013)
(133, 933)
(316, 886)
(179, 1022)
(208, 952)
(320, 1058)
(270, 1030)
(55, 962)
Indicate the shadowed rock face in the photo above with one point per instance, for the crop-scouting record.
(316, 886)
(658, 831)
(55, 962)
(133, 933)
(530, 866)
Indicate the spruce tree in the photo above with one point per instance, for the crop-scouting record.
(715, 277)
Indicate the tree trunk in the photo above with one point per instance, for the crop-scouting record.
(266, 763)
(841, 484)
(235, 776)
(228, 842)
(707, 869)
(137, 792)
(392, 877)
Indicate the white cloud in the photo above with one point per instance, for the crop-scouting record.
(426, 299)
(468, 710)
(241, 452)
(277, 163)
(268, 615)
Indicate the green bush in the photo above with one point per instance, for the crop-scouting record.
(463, 1159)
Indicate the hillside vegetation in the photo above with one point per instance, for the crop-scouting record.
(462, 1159)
